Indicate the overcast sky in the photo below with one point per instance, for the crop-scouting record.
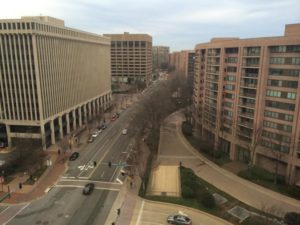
(180, 24)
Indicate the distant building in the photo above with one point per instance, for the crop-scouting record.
(131, 57)
(183, 63)
(53, 79)
(160, 56)
(247, 99)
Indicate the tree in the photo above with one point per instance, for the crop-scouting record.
(252, 147)
(292, 218)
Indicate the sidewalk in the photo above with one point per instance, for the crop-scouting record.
(47, 180)
(243, 190)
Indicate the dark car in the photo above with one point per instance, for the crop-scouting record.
(88, 188)
(74, 156)
(179, 220)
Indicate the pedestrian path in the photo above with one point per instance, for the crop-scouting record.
(9, 213)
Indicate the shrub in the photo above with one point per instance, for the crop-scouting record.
(187, 128)
(292, 218)
(294, 191)
(206, 198)
(187, 192)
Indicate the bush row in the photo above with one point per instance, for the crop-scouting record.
(192, 188)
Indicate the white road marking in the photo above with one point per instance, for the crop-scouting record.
(118, 180)
(140, 213)
(102, 174)
(16, 213)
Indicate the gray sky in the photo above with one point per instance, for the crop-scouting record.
(180, 24)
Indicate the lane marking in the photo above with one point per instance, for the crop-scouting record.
(16, 213)
(118, 180)
(140, 213)
(78, 186)
(5, 209)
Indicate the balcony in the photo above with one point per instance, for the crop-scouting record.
(248, 84)
(247, 104)
(246, 114)
(244, 132)
(248, 124)
(247, 94)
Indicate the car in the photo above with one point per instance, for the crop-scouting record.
(88, 188)
(179, 219)
(91, 139)
(74, 156)
(95, 134)
(124, 131)
(103, 126)
(99, 130)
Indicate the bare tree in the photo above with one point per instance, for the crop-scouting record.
(252, 147)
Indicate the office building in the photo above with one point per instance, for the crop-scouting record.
(53, 79)
(160, 56)
(246, 99)
(131, 58)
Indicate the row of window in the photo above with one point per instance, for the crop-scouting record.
(285, 60)
(285, 48)
(128, 43)
(228, 104)
(284, 72)
(277, 126)
(280, 105)
(280, 116)
(231, 60)
(229, 87)
(229, 78)
(274, 146)
(275, 136)
(283, 83)
(281, 94)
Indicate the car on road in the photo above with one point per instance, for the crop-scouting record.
(179, 219)
(95, 134)
(124, 131)
(99, 130)
(91, 139)
(88, 188)
(74, 156)
(103, 126)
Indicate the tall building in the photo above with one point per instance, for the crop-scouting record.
(131, 57)
(247, 99)
(53, 79)
(183, 63)
(160, 56)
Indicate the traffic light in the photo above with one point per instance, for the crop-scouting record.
(20, 185)
(109, 164)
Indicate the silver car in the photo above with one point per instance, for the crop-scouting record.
(179, 220)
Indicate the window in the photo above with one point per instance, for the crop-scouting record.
(284, 72)
(252, 51)
(229, 87)
(280, 105)
(277, 60)
(283, 48)
(273, 93)
(231, 60)
(291, 95)
(283, 83)
(228, 104)
(231, 50)
(280, 116)
(229, 78)
(228, 95)
(231, 69)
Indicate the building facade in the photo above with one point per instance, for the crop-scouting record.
(131, 57)
(160, 56)
(246, 99)
(53, 79)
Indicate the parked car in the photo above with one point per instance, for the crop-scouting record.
(124, 131)
(91, 139)
(88, 188)
(95, 134)
(74, 156)
(103, 126)
(179, 220)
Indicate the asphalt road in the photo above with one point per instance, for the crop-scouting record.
(65, 204)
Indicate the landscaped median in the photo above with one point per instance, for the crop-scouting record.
(199, 194)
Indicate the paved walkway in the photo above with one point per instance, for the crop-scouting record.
(251, 194)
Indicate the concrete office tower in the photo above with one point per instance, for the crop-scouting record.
(53, 79)
(247, 96)
(131, 57)
(160, 56)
